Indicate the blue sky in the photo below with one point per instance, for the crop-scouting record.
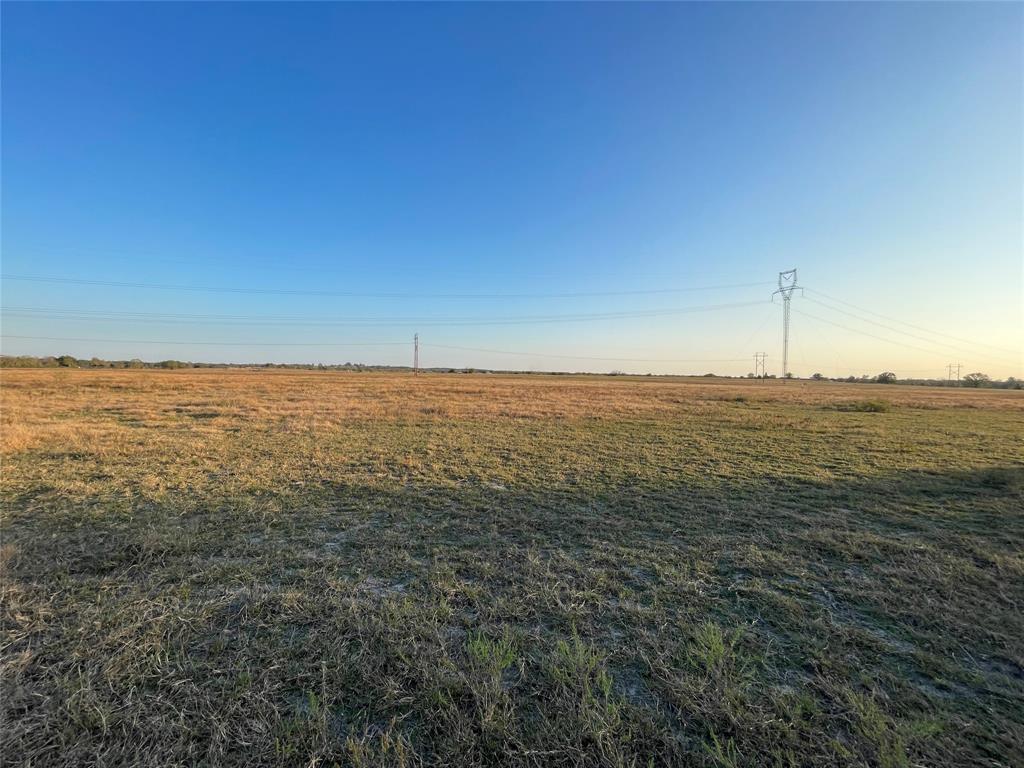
(496, 164)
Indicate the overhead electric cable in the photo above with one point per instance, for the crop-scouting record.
(215, 343)
(380, 295)
(241, 320)
(871, 335)
(585, 357)
(911, 325)
(943, 345)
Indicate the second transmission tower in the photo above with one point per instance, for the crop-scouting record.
(759, 365)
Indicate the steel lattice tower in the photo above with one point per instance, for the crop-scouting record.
(787, 284)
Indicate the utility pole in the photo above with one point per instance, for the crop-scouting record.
(759, 365)
(949, 369)
(787, 284)
(415, 353)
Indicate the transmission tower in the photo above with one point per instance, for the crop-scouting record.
(950, 368)
(415, 353)
(787, 284)
(759, 365)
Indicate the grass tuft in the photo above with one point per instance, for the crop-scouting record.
(866, 406)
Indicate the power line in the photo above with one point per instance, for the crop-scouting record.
(759, 328)
(31, 257)
(584, 357)
(242, 320)
(911, 325)
(865, 333)
(787, 284)
(907, 333)
(213, 343)
(387, 295)
(417, 346)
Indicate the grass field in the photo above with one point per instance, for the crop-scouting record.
(309, 569)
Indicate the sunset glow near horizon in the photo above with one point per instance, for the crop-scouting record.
(528, 187)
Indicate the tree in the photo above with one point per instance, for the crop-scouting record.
(886, 377)
(818, 377)
(67, 361)
(976, 379)
(20, 361)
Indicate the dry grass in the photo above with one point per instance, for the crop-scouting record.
(280, 568)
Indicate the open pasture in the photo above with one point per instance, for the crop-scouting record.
(303, 568)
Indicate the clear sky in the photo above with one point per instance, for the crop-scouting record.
(551, 180)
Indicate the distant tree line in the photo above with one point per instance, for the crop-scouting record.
(68, 361)
(976, 379)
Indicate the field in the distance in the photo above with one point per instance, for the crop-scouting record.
(308, 569)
